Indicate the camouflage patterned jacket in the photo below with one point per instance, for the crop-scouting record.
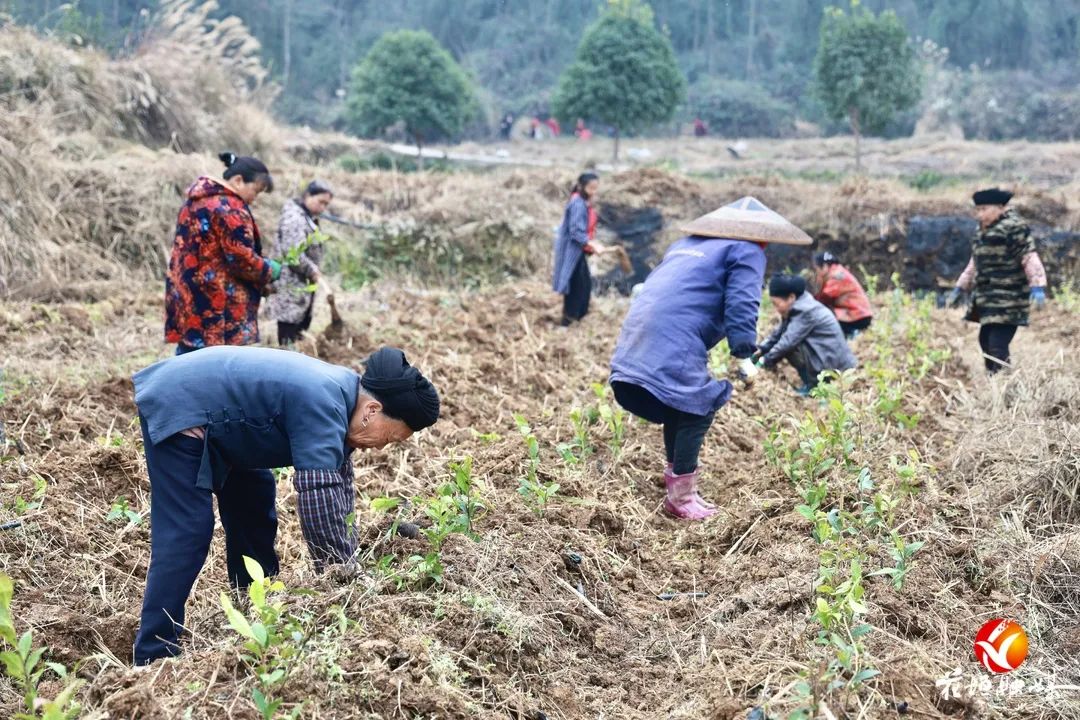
(1002, 267)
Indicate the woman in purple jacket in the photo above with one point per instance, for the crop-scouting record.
(707, 288)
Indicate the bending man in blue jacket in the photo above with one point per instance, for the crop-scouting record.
(214, 420)
(707, 288)
(809, 335)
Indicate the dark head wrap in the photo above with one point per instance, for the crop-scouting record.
(317, 187)
(993, 196)
(825, 258)
(405, 394)
(784, 285)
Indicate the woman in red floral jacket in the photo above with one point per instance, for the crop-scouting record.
(217, 274)
(841, 292)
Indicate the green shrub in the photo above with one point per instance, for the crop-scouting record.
(386, 161)
(926, 180)
(738, 109)
(988, 106)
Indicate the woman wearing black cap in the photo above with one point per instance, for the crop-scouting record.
(1003, 267)
(294, 296)
(214, 420)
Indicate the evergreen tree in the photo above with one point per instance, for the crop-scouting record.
(624, 75)
(865, 70)
(408, 77)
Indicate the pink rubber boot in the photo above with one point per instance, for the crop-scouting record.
(680, 497)
(669, 471)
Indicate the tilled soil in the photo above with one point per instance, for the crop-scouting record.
(558, 616)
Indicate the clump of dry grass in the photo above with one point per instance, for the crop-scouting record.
(89, 147)
(1016, 469)
(1055, 576)
(1029, 443)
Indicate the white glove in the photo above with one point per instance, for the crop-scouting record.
(747, 369)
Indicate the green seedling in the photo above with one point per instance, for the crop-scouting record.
(21, 506)
(385, 504)
(871, 281)
(273, 640)
(120, 510)
(902, 553)
(580, 449)
(581, 420)
(425, 570)
(24, 664)
(841, 603)
(536, 493)
(292, 255)
(613, 417)
(455, 507)
(420, 570)
(909, 473)
(879, 514)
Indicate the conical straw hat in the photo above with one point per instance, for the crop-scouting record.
(747, 219)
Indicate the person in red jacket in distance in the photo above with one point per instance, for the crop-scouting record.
(839, 291)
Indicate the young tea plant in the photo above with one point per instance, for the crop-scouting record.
(24, 665)
(21, 506)
(613, 416)
(901, 552)
(580, 449)
(121, 510)
(274, 641)
(455, 507)
(532, 489)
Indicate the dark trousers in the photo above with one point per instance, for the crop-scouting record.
(994, 339)
(182, 349)
(850, 328)
(181, 526)
(798, 360)
(684, 433)
(576, 300)
(289, 333)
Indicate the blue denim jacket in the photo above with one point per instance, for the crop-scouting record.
(259, 407)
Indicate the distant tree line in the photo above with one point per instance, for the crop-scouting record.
(516, 53)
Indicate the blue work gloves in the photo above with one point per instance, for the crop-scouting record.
(1038, 297)
(275, 268)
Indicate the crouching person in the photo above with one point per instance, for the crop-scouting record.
(707, 288)
(809, 336)
(215, 420)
